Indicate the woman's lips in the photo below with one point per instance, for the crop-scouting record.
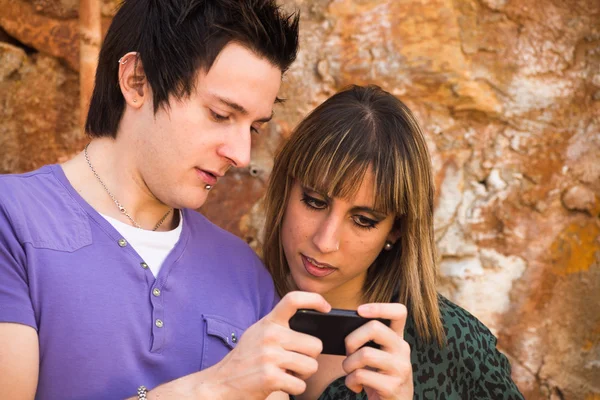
(207, 177)
(318, 271)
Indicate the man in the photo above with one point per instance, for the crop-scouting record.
(109, 284)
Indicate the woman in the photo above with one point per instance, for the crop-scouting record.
(349, 215)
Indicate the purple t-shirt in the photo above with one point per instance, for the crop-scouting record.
(105, 324)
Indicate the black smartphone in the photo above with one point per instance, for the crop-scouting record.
(332, 327)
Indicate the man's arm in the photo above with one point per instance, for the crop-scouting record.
(269, 358)
(185, 388)
(19, 361)
(258, 367)
(19, 344)
(190, 387)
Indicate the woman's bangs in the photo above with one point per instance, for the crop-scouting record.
(334, 166)
(390, 184)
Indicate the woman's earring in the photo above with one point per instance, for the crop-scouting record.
(388, 246)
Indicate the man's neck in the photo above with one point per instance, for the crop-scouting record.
(116, 167)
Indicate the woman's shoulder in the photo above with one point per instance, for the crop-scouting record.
(461, 326)
(468, 365)
(466, 342)
(462, 329)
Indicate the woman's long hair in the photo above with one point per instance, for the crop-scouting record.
(331, 150)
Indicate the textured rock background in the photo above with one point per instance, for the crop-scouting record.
(508, 92)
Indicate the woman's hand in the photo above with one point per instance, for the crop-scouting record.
(384, 373)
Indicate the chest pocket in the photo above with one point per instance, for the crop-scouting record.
(220, 338)
(45, 228)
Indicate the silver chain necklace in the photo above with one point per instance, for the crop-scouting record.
(121, 208)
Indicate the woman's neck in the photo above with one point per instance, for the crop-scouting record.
(345, 299)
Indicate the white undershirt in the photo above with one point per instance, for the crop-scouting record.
(152, 246)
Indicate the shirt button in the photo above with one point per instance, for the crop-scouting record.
(144, 265)
(233, 337)
(122, 242)
(156, 292)
(159, 323)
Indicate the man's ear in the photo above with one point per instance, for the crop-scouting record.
(132, 80)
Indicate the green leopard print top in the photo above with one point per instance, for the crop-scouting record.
(468, 367)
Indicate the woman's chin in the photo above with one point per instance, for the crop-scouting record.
(307, 285)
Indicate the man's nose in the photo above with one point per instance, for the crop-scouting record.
(236, 148)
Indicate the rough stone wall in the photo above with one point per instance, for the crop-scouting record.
(508, 92)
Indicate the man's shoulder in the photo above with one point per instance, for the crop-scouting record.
(39, 209)
(21, 192)
(217, 237)
(40, 183)
(21, 181)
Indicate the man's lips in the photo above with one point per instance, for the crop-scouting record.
(207, 176)
(314, 268)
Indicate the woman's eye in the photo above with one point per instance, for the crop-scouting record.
(254, 130)
(218, 117)
(364, 222)
(313, 203)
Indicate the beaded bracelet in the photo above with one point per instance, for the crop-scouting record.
(142, 391)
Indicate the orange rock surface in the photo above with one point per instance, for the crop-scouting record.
(508, 92)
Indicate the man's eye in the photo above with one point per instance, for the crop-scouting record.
(218, 117)
(254, 130)
(313, 203)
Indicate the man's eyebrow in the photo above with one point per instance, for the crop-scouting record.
(231, 104)
(237, 107)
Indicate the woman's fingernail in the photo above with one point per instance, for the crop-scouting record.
(365, 308)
